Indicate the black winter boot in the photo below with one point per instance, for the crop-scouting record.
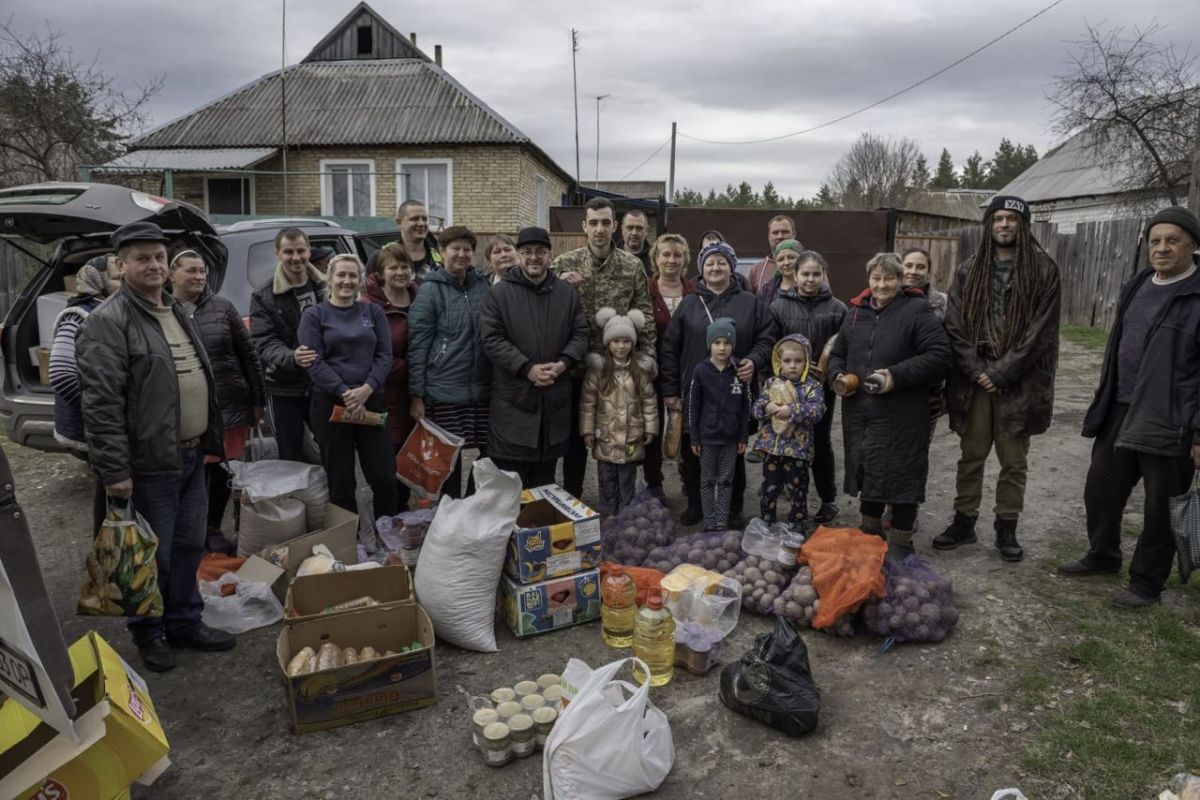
(1006, 540)
(873, 526)
(961, 531)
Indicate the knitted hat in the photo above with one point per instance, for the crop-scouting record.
(1008, 202)
(618, 327)
(717, 249)
(789, 244)
(1177, 215)
(721, 328)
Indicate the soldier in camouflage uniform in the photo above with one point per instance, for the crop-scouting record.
(604, 276)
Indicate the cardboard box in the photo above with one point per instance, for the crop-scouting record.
(357, 692)
(308, 597)
(340, 535)
(43, 359)
(128, 744)
(49, 306)
(556, 535)
(550, 605)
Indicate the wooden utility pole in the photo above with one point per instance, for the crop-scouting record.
(575, 84)
(283, 101)
(671, 177)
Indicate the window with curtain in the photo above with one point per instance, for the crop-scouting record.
(430, 181)
(347, 188)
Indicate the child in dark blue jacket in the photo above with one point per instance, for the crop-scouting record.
(718, 407)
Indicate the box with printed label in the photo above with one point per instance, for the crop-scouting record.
(547, 606)
(120, 739)
(341, 695)
(556, 534)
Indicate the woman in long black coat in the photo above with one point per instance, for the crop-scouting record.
(894, 345)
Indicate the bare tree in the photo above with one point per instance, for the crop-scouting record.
(57, 113)
(876, 172)
(1136, 100)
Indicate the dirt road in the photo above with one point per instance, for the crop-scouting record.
(919, 722)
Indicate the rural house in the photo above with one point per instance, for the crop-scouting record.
(371, 121)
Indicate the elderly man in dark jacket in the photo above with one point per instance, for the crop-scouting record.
(685, 345)
(1002, 319)
(533, 332)
(275, 311)
(1145, 417)
(150, 413)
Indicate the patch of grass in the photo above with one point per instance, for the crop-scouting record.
(1126, 694)
(1091, 338)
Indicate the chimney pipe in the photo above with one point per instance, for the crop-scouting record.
(437, 54)
(413, 36)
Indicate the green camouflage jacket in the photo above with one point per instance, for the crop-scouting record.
(617, 282)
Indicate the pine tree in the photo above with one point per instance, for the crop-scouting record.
(921, 176)
(1009, 161)
(974, 173)
(944, 178)
(770, 198)
(825, 198)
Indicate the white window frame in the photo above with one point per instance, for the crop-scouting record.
(541, 189)
(250, 178)
(326, 182)
(449, 164)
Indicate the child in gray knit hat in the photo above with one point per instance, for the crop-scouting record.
(618, 413)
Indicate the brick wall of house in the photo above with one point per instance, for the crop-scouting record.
(494, 188)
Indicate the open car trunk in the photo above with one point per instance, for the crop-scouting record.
(77, 219)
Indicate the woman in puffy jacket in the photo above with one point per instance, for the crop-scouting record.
(241, 394)
(809, 308)
(449, 376)
(390, 285)
(890, 350)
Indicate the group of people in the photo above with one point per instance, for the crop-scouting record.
(603, 351)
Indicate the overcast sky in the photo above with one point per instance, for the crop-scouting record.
(723, 70)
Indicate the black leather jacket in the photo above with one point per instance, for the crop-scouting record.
(131, 391)
(235, 365)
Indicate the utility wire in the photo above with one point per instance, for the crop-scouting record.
(647, 158)
(892, 96)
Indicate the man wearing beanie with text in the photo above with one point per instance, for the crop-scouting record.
(1145, 417)
(1002, 319)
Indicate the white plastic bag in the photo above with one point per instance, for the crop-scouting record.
(610, 742)
(463, 555)
(252, 605)
(272, 479)
(1009, 794)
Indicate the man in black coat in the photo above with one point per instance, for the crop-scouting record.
(533, 330)
(275, 311)
(1145, 417)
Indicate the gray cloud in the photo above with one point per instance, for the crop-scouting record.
(726, 71)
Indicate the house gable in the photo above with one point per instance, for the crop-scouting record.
(363, 34)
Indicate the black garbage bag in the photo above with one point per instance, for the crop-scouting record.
(773, 683)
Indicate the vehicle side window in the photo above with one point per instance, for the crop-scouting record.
(260, 264)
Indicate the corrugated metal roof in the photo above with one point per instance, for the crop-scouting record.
(192, 159)
(400, 101)
(1069, 170)
(642, 190)
(950, 203)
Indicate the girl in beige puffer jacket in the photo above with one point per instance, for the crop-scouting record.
(618, 414)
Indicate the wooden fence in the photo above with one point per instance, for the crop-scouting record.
(1093, 262)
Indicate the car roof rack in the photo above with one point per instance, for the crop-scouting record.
(280, 222)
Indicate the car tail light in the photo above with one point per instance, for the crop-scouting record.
(149, 202)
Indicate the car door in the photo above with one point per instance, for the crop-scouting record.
(368, 244)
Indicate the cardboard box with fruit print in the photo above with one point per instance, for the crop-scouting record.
(556, 535)
(547, 606)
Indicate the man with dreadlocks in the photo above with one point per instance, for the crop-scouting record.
(1002, 319)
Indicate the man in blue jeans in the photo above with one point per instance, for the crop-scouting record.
(151, 417)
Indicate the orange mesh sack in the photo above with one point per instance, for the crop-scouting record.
(847, 570)
(646, 579)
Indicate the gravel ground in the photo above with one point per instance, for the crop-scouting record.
(913, 723)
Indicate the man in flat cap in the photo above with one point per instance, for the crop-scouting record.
(150, 417)
(533, 332)
(1145, 416)
(1002, 318)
